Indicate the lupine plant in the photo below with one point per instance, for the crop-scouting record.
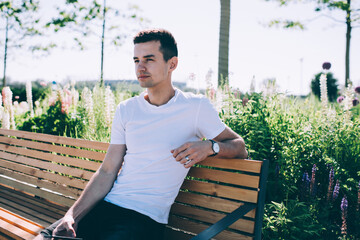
(294, 135)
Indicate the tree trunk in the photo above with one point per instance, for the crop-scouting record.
(223, 65)
(102, 47)
(5, 52)
(348, 37)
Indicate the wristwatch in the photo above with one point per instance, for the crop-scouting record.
(215, 147)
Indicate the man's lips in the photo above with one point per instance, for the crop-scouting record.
(141, 77)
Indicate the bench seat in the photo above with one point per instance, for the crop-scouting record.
(42, 175)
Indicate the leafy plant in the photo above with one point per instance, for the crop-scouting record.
(55, 122)
(290, 220)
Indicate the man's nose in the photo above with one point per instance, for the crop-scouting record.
(141, 66)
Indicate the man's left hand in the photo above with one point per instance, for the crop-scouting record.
(191, 153)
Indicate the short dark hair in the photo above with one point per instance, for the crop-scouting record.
(168, 45)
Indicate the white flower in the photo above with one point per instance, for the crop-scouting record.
(87, 100)
(29, 97)
(8, 114)
(7, 94)
(5, 120)
(349, 95)
(323, 91)
(75, 97)
(109, 106)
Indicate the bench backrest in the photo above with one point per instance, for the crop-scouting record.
(58, 168)
(55, 168)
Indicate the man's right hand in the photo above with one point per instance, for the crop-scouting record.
(67, 227)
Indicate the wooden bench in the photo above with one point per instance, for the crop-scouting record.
(42, 175)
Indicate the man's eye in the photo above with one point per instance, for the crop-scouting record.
(136, 61)
(150, 59)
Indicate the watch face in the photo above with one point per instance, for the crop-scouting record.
(216, 147)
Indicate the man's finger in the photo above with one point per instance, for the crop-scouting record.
(70, 229)
(178, 150)
(189, 164)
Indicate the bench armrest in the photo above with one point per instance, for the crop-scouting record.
(225, 222)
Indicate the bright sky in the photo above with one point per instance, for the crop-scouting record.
(293, 57)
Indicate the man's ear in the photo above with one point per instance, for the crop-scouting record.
(173, 62)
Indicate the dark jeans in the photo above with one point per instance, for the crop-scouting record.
(107, 221)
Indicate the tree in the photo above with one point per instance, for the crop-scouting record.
(352, 20)
(223, 64)
(86, 19)
(20, 24)
(331, 83)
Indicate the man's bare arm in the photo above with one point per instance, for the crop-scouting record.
(231, 146)
(97, 188)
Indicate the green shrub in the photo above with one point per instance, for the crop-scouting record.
(55, 122)
(294, 135)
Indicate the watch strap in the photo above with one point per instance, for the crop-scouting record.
(212, 147)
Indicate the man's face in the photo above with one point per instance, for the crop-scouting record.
(150, 67)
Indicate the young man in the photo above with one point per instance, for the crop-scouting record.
(156, 138)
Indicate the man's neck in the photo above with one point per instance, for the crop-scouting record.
(159, 97)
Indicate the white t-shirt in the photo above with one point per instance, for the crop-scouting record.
(150, 178)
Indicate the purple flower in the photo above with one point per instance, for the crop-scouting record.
(305, 177)
(336, 190)
(304, 185)
(326, 65)
(312, 183)
(340, 99)
(306, 180)
(344, 206)
(344, 203)
(331, 183)
(355, 101)
(357, 89)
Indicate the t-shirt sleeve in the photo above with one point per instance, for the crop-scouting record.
(209, 124)
(118, 128)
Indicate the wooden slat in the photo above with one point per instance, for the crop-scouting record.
(235, 164)
(210, 217)
(48, 165)
(38, 192)
(35, 172)
(76, 162)
(221, 190)
(54, 148)
(56, 139)
(4, 237)
(173, 234)
(209, 202)
(225, 177)
(65, 190)
(30, 200)
(14, 232)
(20, 222)
(196, 228)
(29, 213)
(28, 205)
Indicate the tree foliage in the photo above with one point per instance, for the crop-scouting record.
(20, 22)
(86, 19)
(351, 20)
